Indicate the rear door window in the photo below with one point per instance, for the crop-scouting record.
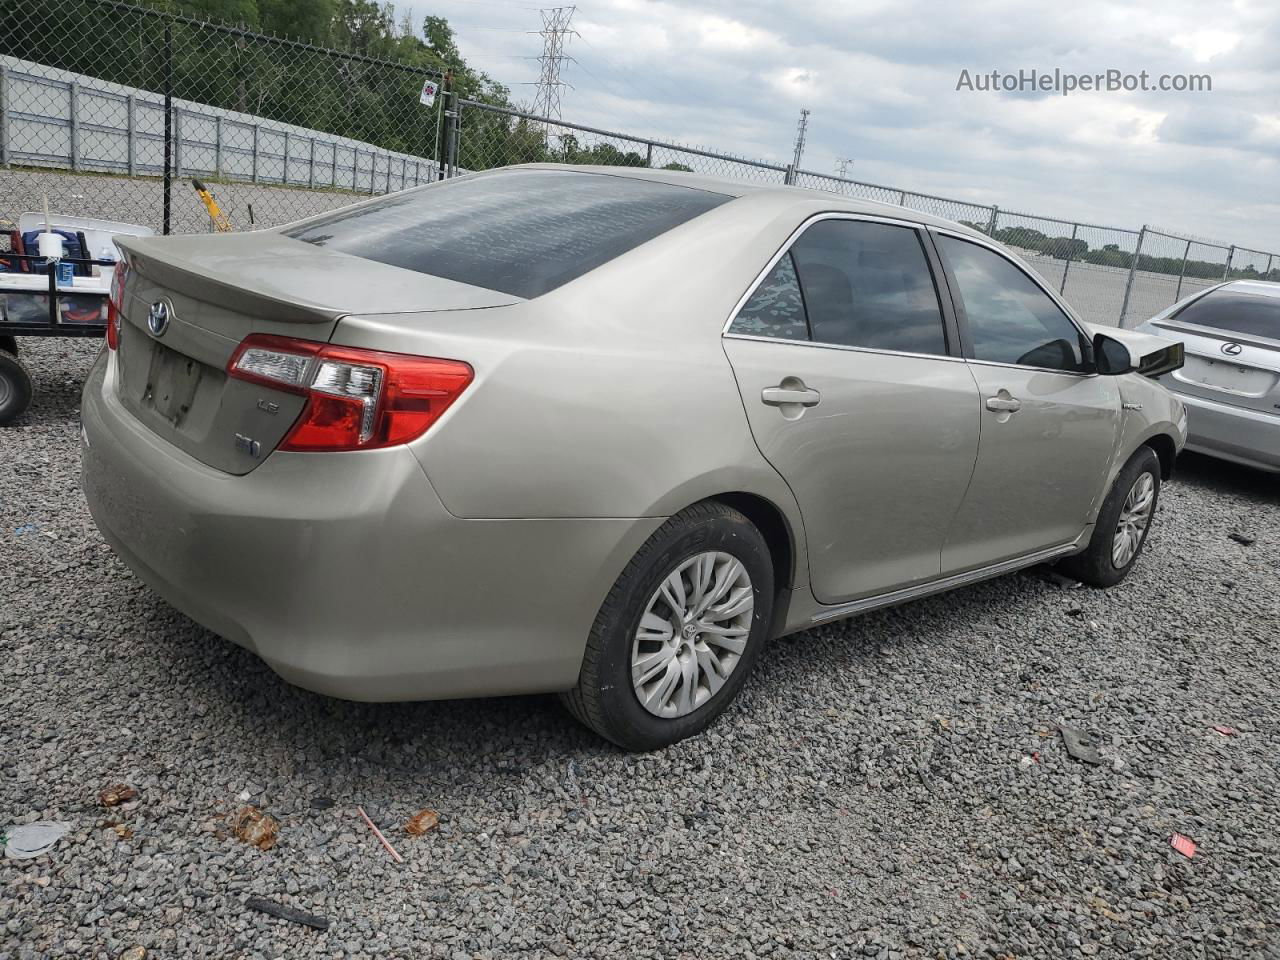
(850, 283)
(521, 232)
(868, 284)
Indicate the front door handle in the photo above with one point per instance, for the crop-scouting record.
(780, 395)
(1004, 404)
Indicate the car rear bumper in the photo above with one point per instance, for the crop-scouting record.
(344, 572)
(1249, 437)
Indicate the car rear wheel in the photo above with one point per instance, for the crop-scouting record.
(15, 387)
(1122, 526)
(679, 632)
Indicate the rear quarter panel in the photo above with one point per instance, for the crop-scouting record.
(611, 396)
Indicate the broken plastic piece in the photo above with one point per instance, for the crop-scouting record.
(421, 822)
(32, 839)
(287, 913)
(117, 794)
(255, 828)
(383, 840)
(1080, 745)
(1184, 845)
(1225, 730)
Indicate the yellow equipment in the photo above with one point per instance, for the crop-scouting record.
(220, 221)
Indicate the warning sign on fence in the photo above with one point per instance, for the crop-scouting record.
(428, 96)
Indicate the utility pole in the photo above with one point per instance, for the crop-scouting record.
(801, 128)
(555, 33)
(842, 167)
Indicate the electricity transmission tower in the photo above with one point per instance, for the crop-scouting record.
(801, 128)
(842, 167)
(555, 33)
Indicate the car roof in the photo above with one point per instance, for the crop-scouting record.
(743, 189)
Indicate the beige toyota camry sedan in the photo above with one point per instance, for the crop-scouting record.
(602, 432)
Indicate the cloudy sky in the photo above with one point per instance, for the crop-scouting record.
(880, 79)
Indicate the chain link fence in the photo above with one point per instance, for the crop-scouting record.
(110, 110)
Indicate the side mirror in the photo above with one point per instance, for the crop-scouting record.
(1111, 358)
(1162, 361)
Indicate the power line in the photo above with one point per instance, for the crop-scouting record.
(842, 167)
(555, 33)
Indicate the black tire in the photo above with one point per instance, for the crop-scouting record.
(1094, 566)
(15, 388)
(605, 698)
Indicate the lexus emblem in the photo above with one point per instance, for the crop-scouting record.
(1232, 349)
(158, 318)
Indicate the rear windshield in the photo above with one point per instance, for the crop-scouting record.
(1227, 309)
(522, 232)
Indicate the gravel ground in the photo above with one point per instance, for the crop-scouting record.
(890, 786)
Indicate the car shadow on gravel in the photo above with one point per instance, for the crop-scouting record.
(1220, 476)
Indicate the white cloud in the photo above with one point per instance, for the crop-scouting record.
(1204, 45)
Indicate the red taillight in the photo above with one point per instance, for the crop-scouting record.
(356, 399)
(115, 303)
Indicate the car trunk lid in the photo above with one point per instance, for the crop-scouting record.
(215, 291)
(1232, 368)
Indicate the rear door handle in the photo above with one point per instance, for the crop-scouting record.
(1005, 404)
(777, 396)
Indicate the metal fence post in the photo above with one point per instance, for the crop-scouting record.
(311, 163)
(74, 103)
(902, 198)
(333, 164)
(1071, 249)
(168, 123)
(1270, 257)
(255, 153)
(131, 121)
(789, 178)
(450, 134)
(648, 160)
(177, 142)
(1177, 294)
(991, 224)
(217, 146)
(1133, 269)
(284, 177)
(456, 139)
(4, 116)
(1226, 271)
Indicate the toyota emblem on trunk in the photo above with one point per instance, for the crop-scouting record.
(158, 318)
(1232, 349)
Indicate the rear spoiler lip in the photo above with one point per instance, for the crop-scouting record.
(149, 260)
(153, 258)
